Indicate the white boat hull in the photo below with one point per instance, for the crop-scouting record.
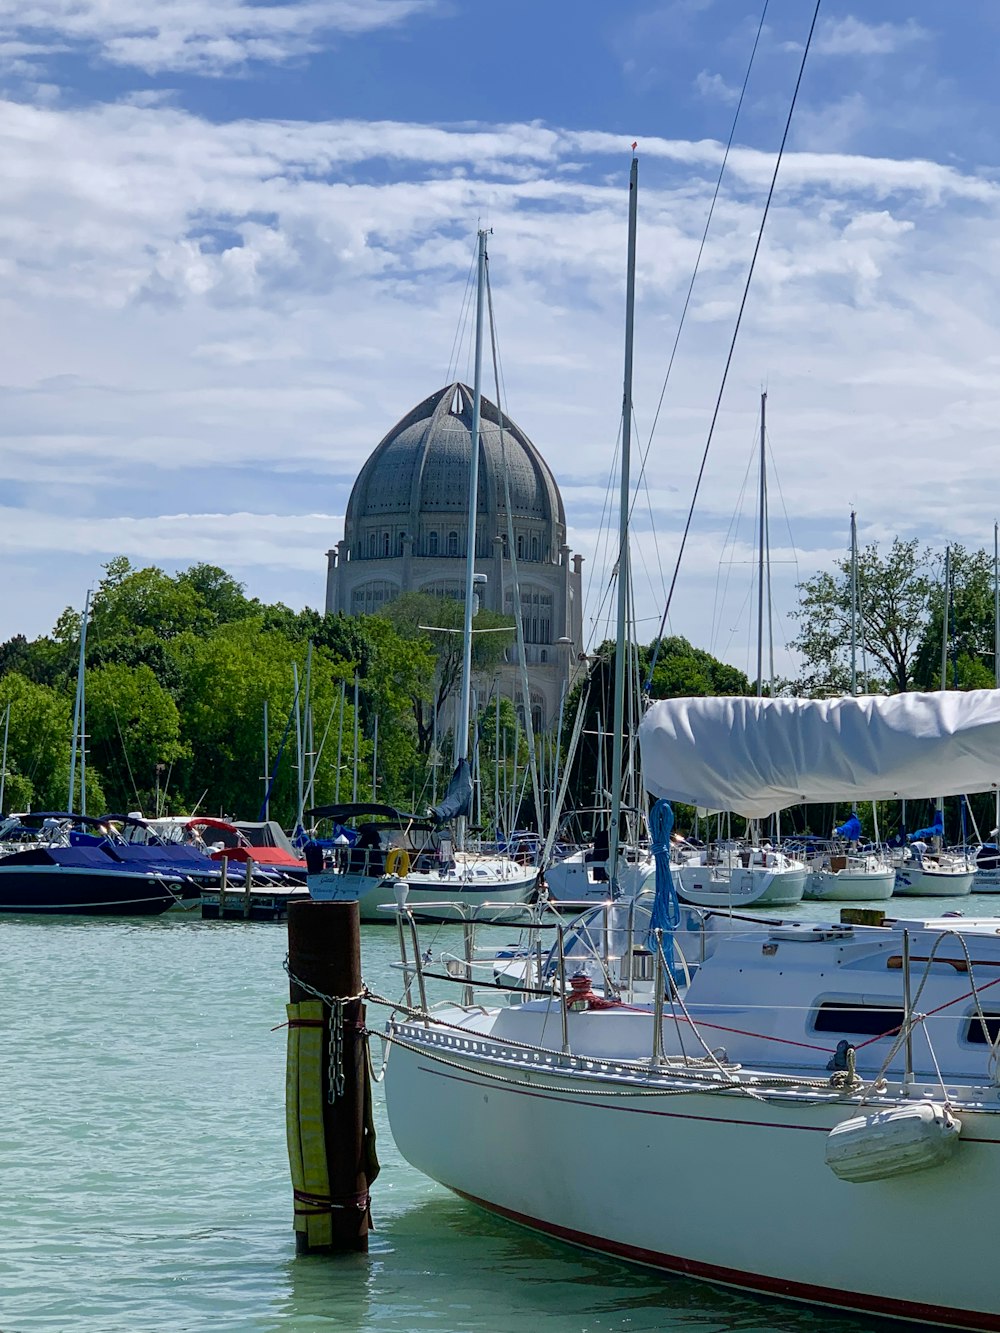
(709, 1185)
(987, 881)
(850, 886)
(576, 881)
(739, 886)
(924, 882)
(445, 896)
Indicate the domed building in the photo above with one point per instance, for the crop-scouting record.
(407, 529)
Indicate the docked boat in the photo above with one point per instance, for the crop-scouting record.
(740, 877)
(806, 1111)
(850, 878)
(378, 855)
(264, 843)
(842, 1072)
(83, 881)
(934, 876)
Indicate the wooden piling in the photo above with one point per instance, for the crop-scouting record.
(248, 889)
(330, 1135)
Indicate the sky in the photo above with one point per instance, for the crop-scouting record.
(236, 240)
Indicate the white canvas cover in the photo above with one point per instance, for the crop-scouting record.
(755, 756)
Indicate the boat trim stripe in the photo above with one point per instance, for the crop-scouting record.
(761, 1283)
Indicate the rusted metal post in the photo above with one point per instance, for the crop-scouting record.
(324, 964)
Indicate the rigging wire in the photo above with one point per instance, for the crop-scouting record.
(462, 323)
(736, 331)
(701, 251)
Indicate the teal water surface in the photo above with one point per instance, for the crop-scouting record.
(145, 1181)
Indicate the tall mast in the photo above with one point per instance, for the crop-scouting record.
(762, 529)
(465, 702)
(78, 705)
(939, 804)
(621, 639)
(854, 604)
(996, 643)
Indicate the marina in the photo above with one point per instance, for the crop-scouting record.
(144, 1091)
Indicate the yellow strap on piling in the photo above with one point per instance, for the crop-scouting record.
(304, 1122)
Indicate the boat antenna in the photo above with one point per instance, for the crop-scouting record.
(654, 656)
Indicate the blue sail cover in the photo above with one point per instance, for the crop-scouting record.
(935, 830)
(458, 798)
(666, 913)
(850, 829)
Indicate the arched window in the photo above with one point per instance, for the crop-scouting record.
(371, 545)
(534, 548)
(369, 598)
(432, 543)
(399, 543)
(386, 544)
(453, 543)
(536, 613)
(445, 588)
(520, 546)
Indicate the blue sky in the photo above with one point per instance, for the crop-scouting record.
(235, 242)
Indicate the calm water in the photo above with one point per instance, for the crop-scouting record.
(145, 1183)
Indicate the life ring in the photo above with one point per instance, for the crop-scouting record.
(398, 862)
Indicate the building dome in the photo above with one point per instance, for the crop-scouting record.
(407, 530)
(414, 487)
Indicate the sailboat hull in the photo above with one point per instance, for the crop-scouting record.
(691, 1177)
(847, 886)
(444, 897)
(712, 886)
(926, 883)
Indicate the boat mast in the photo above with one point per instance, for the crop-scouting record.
(996, 650)
(267, 768)
(465, 702)
(939, 803)
(3, 766)
(78, 707)
(762, 529)
(854, 604)
(621, 642)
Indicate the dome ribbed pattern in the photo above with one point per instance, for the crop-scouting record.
(422, 468)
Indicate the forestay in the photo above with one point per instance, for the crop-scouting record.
(756, 756)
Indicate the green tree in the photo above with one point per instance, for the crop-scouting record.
(970, 624)
(437, 622)
(134, 728)
(894, 592)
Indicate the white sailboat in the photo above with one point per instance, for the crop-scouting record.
(799, 1061)
(400, 858)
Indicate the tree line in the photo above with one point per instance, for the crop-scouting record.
(179, 667)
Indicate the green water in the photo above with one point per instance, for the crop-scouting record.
(145, 1182)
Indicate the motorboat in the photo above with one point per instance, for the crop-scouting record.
(274, 859)
(83, 881)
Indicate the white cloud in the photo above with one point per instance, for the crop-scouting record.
(850, 36)
(207, 327)
(182, 35)
(714, 88)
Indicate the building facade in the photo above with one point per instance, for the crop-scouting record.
(407, 529)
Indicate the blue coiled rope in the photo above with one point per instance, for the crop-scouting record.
(666, 913)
